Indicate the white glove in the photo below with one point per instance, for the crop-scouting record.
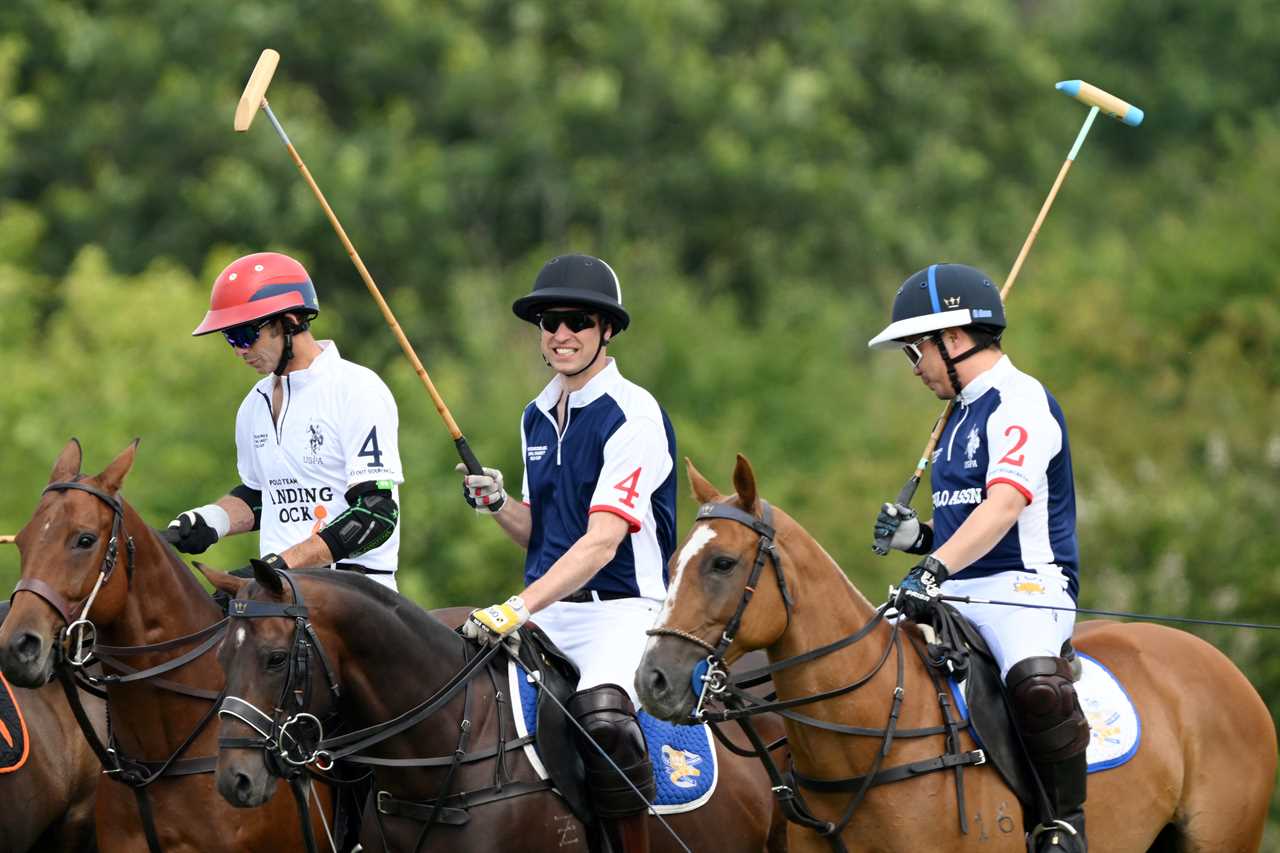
(483, 492)
(898, 527)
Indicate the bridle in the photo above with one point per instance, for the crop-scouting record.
(289, 736)
(78, 635)
(711, 679)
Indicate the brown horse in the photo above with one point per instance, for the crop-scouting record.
(88, 557)
(389, 660)
(1201, 779)
(49, 800)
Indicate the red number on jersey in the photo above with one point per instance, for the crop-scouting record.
(1009, 457)
(628, 488)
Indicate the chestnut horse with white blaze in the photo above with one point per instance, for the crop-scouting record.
(89, 559)
(1200, 780)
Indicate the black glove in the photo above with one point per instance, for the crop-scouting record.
(191, 533)
(918, 593)
(275, 561)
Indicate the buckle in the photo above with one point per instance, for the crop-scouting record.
(382, 798)
(980, 757)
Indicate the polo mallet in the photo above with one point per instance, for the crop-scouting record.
(251, 100)
(1098, 101)
(6, 540)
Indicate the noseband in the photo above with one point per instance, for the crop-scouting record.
(77, 636)
(711, 676)
(290, 736)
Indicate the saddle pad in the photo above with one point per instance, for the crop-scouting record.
(684, 757)
(13, 731)
(1114, 727)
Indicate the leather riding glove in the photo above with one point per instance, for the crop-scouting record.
(195, 530)
(898, 527)
(497, 623)
(483, 492)
(918, 593)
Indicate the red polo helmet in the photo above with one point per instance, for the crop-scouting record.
(258, 286)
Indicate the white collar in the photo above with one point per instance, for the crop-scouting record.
(986, 380)
(594, 389)
(319, 366)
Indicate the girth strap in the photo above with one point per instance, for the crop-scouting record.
(891, 774)
(456, 813)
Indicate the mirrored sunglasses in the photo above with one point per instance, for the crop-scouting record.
(912, 350)
(246, 334)
(576, 320)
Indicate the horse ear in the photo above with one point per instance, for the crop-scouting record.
(702, 489)
(230, 584)
(266, 576)
(113, 476)
(744, 481)
(67, 465)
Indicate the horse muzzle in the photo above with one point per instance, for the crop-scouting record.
(243, 781)
(26, 656)
(663, 680)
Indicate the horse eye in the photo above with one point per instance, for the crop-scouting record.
(277, 659)
(86, 540)
(722, 564)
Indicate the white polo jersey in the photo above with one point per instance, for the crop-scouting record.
(337, 427)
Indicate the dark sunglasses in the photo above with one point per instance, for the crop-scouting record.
(246, 334)
(912, 350)
(576, 320)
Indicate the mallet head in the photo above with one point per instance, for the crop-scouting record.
(256, 89)
(1087, 93)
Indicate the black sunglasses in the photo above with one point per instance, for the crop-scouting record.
(576, 320)
(246, 334)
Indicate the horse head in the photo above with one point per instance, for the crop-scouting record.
(712, 588)
(79, 534)
(280, 684)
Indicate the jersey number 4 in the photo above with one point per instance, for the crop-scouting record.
(628, 488)
(370, 448)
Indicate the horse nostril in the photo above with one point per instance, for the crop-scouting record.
(244, 787)
(657, 681)
(27, 647)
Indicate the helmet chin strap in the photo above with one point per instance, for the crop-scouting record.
(289, 328)
(951, 361)
(603, 343)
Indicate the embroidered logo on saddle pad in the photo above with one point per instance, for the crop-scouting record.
(13, 731)
(1114, 727)
(684, 759)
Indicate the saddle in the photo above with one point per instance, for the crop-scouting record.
(554, 735)
(958, 649)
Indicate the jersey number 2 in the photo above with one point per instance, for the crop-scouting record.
(370, 448)
(628, 488)
(1009, 458)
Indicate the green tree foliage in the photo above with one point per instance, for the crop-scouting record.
(761, 174)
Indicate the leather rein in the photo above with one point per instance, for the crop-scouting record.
(77, 647)
(711, 680)
(294, 740)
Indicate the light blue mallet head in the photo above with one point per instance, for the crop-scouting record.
(1087, 93)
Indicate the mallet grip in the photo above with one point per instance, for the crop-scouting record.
(1087, 93)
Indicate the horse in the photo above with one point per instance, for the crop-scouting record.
(49, 798)
(370, 656)
(1201, 779)
(71, 598)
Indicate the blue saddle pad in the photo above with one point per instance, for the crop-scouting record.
(684, 757)
(1114, 727)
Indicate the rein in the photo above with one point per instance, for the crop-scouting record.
(293, 739)
(77, 647)
(711, 679)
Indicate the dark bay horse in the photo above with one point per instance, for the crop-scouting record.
(387, 657)
(1201, 779)
(87, 557)
(48, 801)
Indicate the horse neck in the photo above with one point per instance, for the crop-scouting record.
(394, 660)
(164, 600)
(828, 608)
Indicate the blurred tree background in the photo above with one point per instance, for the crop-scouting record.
(762, 175)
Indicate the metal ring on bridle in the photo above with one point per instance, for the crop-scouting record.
(78, 641)
(286, 752)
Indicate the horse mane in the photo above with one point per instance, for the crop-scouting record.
(373, 597)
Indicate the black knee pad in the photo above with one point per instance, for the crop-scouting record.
(1046, 710)
(609, 718)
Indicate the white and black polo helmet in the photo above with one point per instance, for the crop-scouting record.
(942, 296)
(575, 280)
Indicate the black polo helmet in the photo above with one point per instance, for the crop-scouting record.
(575, 280)
(942, 296)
